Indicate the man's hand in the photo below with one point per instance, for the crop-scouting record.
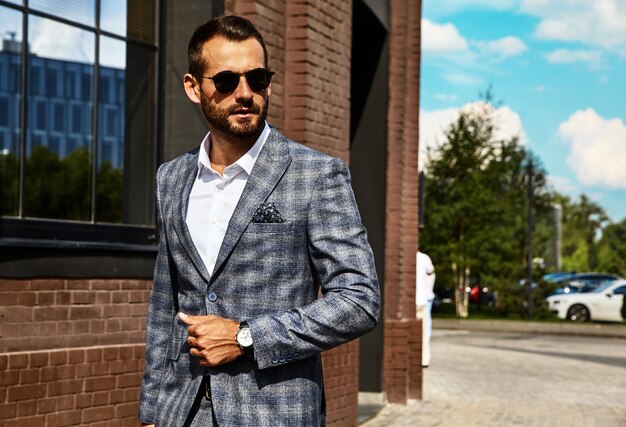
(212, 339)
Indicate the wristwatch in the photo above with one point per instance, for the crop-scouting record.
(244, 339)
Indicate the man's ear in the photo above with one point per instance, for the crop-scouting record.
(192, 88)
(269, 90)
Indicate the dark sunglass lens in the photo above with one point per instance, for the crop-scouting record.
(226, 81)
(258, 79)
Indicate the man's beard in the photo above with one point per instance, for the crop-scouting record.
(244, 129)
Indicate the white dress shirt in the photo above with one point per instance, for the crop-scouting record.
(214, 197)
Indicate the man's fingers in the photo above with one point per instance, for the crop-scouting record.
(195, 320)
(188, 320)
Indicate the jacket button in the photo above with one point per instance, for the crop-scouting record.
(212, 297)
(274, 360)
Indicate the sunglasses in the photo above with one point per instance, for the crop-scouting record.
(227, 81)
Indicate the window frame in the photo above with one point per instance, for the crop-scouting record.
(26, 232)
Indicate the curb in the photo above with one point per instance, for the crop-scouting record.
(615, 330)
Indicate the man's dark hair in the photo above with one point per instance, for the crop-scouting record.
(231, 27)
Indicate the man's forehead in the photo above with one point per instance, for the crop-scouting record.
(219, 52)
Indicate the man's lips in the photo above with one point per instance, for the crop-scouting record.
(243, 112)
(240, 110)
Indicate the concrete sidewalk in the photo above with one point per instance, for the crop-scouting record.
(428, 411)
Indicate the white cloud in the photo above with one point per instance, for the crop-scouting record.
(443, 7)
(52, 39)
(540, 88)
(502, 48)
(594, 22)
(433, 125)
(567, 56)
(598, 154)
(441, 38)
(445, 97)
(458, 78)
(563, 185)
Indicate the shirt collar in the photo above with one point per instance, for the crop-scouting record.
(245, 162)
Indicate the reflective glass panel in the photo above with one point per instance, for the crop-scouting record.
(141, 20)
(83, 11)
(58, 170)
(10, 108)
(113, 16)
(139, 129)
(111, 108)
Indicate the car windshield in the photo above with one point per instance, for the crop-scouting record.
(602, 287)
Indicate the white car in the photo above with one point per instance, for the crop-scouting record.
(603, 303)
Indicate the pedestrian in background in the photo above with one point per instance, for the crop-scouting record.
(424, 296)
(253, 227)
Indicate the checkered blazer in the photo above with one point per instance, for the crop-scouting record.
(268, 273)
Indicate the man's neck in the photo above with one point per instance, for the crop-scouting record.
(226, 150)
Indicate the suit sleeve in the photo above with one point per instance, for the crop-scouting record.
(342, 264)
(161, 314)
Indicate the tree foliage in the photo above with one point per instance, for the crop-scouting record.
(476, 215)
(61, 188)
(476, 204)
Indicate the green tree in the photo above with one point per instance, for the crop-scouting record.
(611, 249)
(9, 183)
(583, 221)
(476, 205)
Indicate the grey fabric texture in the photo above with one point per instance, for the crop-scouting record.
(304, 285)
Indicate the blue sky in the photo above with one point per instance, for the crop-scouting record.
(559, 69)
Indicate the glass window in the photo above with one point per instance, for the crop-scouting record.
(40, 115)
(57, 179)
(58, 124)
(77, 119)
(82, 11)
(112, 80)
(113, 16)
(4, 111)
(88, 139)
(10, 106)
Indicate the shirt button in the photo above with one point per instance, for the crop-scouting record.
(212, 297)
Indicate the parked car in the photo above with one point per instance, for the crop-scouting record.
(481, 295)
(603, 303)
(579, 282)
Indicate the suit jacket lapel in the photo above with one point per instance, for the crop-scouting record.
(267, 171)
(189, 171)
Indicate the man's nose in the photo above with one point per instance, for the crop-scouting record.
(243, 90)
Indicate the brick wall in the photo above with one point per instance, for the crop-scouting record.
(401, 375)
(71, 351)
(309, 47)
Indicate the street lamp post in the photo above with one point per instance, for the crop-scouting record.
(531, 224)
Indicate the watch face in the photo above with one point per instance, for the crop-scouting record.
(244, 338)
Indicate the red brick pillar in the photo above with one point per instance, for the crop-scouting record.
(402, 359)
